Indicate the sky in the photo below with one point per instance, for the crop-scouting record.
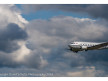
(34, 39)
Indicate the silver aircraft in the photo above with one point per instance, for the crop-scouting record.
(85, 46)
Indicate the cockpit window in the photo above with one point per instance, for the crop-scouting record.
(72, 43)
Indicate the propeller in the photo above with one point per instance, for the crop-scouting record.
(68, 49)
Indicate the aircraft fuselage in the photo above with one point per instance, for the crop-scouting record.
(83, 46)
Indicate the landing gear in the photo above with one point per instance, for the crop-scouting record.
(76, 51)
(86, 50)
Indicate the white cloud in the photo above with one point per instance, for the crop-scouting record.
(10, 14)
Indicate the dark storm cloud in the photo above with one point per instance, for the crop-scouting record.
(9, 37)
(94, 10)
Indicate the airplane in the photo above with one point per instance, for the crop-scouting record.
(85, 46)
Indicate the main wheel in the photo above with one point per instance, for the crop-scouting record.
(86, 50)
(76, 51)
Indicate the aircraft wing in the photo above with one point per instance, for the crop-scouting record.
(97, 46)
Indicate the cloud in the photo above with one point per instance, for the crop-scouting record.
(11, 14)
(87, 72)
(13, 36)
(9, 37)
(67, 27)
(30, 61)
(34, 61)
(6, 60)
(50, 37)
(40, 45)
(94, 10)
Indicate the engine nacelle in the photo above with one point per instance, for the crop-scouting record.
(84, 47)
